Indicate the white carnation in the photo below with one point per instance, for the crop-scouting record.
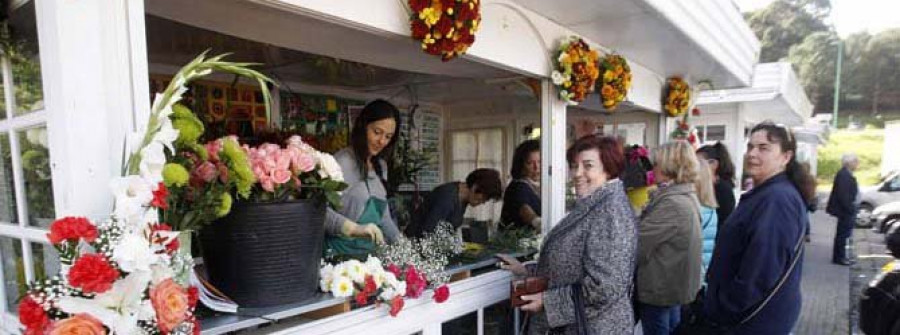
(133, 253)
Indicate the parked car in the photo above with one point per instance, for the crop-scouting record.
(886, 216)
(871, 197)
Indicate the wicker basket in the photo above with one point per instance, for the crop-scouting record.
(266, 254)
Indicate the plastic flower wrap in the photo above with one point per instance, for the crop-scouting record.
(445, 28)
(575, 70)
(615, 80)
(677, 98)
(125, 274)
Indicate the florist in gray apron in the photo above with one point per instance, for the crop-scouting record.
(364, 217)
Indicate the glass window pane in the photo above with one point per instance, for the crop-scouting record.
(38, 181)
(8, 212)
(463, 325)
(46, 261)
(715, 133)
(25, 60)
(13, 271)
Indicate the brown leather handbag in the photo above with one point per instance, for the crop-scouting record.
(526, 286)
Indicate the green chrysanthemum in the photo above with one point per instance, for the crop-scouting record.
(239, 166)
(190, 128)
(224, 205)
(200, 150)
(175, 175)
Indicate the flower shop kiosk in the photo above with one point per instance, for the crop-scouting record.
(83, 82)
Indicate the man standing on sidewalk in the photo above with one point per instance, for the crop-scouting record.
(843, 204)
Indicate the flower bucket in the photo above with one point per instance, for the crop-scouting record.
(266, 254)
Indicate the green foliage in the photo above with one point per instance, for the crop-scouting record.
(814, 61)
(785, 23)
(866, 144)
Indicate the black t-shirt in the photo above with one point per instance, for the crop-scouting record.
(517, 194)
(441, 204)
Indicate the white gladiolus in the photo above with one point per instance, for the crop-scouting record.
(131, 194)
(153, 159)
(166, 134)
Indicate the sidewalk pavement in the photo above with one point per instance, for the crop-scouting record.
(825, 286)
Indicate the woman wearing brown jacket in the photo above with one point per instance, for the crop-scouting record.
(670, 243)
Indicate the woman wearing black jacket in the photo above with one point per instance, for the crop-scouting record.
(723, 169)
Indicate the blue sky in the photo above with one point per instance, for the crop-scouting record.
(850, 16)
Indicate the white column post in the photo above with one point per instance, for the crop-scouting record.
(553, 156)
(94, 63)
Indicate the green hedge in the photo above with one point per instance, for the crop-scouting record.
(866, 144)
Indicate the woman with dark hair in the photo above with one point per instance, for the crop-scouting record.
(522, 198)
(723, 170)
(364, 216)
(754, 276)
(588, 257)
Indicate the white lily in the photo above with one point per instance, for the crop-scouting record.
(119, 308)
(133, 253)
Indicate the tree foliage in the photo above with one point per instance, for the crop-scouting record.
(785, 23)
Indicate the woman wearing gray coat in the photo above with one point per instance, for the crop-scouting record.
(592, 248)
(670, 241)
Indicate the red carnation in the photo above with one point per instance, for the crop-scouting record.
(193, 296)
(396, 305)
(92, 274)
(370, 285)
(159, 197)
(72, 229)
(362, 298)
(695, 111)
(415, 283)
(419, 5)
(32, 315)
(393, 268)
(441, 294)
(419, 29)
(444, 25)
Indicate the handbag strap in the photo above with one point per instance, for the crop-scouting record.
(798, 250)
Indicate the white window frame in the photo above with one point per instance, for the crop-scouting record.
(93, 62)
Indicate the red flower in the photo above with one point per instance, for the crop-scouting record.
(396, 305)
(159, 197)
(92, 274)
(447, 4)
(419, 5)
(196, 330)
(393, 268)
(172, 246)
(223, 172)
(32, 315)
(204, 173)
(419, 29)
(193, 296)
(441, 294)
(72, 229)
(415, 283)
(370, 285)
(695, 111)
(362, 298)
(444, 25)
(465, 13)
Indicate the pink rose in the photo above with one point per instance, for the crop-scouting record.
(280, 176)
(304, 163)
(206, 172)
(78, 324)
(171, 303)
(213, 149)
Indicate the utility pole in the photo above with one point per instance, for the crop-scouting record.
(837, 83)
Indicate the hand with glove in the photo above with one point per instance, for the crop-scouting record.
(370, 231)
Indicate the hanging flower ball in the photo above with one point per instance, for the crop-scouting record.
(677, 97)
(615, 80)
(575, 70)
(445, 28)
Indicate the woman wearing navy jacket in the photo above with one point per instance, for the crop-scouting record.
(756, 245)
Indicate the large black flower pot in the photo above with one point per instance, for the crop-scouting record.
(266, 254)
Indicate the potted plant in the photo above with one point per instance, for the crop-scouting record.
(266, 251)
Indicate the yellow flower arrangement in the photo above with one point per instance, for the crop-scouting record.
(445, 28)
(615, 82)
(678, 97)
(575, 70)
